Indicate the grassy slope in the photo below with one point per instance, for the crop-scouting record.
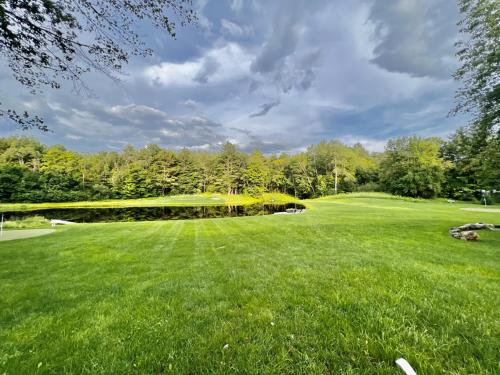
(347, 287)
(176, 200)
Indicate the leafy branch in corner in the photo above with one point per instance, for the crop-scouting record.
(46, 41)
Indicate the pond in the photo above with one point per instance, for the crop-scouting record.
(103, 215)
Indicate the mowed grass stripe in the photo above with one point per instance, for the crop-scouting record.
(339, 289)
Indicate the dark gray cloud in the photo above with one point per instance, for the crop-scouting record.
(282, 60)
(415, 36)
(282, 41)
(265, 108)
(300, 79)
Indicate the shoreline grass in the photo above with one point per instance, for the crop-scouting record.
(27, 223)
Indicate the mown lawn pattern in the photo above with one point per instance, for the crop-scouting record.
(347, 287)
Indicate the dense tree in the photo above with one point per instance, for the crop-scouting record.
(60, 174)
(460, 176)
(412, 167)
(473, 151)
(11, 177)
(58, 160)
(189, 180)
(299, 177)
(335, 165)
(23, 151)
(229, 167)
(277, 179)
(205, 163)
(474, 159)
(479, 54)
(256, 176)
(47, 41)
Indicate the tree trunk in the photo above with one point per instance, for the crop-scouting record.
(336, 179)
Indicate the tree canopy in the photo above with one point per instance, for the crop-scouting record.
(478, 52)
(473, 152)
(34, 172)
(412, 167)
(409, 166)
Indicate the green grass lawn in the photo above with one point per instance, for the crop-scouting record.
(347, 287)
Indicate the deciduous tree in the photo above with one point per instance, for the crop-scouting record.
(412, 167)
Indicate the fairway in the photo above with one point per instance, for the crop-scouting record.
(347, 287)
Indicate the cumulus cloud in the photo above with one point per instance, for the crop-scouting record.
(133, 114)
(93, 125)
(139, 124)
(415, 36)
(222, 63)
(170, 130)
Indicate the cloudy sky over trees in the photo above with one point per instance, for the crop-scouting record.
(274, 75)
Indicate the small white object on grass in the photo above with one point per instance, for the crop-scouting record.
(55, 222)
(226, 346)
(405, 366)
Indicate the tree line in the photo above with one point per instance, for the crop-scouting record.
(410, 166)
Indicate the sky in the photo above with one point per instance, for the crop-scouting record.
(274, 75)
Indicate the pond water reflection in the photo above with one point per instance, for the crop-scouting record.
(102, 215)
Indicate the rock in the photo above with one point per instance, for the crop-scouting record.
(466, 232)
(469, 235)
